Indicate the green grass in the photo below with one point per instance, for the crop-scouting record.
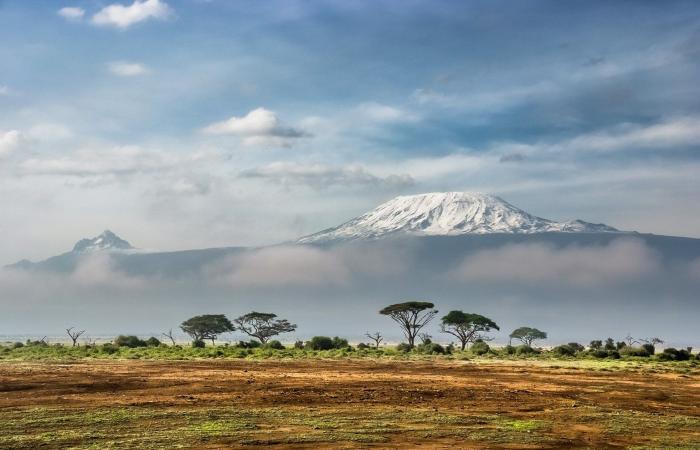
(60, 353)
(157, 427)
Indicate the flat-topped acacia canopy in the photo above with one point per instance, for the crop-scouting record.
(406, 306)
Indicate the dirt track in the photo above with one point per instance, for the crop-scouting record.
(344, 403)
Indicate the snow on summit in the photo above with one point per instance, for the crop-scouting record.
(105, 241)
(448, 213)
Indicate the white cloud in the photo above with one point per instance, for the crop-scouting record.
(282, 266)
(113, 161)
(320, 176)
(4, 90)
(120, 16)
(9, 140)
(260, 126)
(127, 69)
(622, 260)
(671, 133)
(384, 113)
(71, 13)
(49, 132)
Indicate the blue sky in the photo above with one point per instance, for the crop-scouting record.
(193, 123)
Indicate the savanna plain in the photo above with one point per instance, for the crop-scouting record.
(234, 398)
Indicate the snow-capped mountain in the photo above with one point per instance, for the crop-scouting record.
(448, 213)
(105, 241)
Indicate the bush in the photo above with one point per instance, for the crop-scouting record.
(564, 350)
(672, 354)
(198, 344)
(649, 348)
(363, 346)
(275, 345)
(480, 348)
(403, 347)
(431, 348)
(340, 343)
(525, 350)
(129, 341)
(17, 345)
(153, 342)
(299, 345)
(599, 353)
(576, 346)
(509, 349)
(635, 351)
(109, 348)
(248, 344)
(320, 343)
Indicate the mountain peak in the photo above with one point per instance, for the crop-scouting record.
(448, 213)
(105, 241)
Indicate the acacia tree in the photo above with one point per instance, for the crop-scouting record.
(74, 335)
(208, 326)
(376, 337)
(467, 327)
(528, 335)
(411, 317)
(263, 326)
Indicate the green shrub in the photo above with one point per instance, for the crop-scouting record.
(17, 345)
(509, 349)
(525, 350)
(480, 348)
(129, 341)
(275, 345)
(634, 351)
(430, 348)
(576, 346)
(248, 344)
(564, 350)
(672, 354)
(649, 348)
(363, 346)
(109, 348)
(153, 342)
(404, 347)
(613, 354)
(299, 345)
(599, 353)
(198, 344)
(340, 342)
(320, 343)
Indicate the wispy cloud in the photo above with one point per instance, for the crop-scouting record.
(122, 17)
(127, 69)
(71, 13)
(321, 176)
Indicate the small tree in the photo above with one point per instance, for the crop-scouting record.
(467, 327)
(263, 326)
(208, 326)
(376, 337)
(425, 338)
(74, 335)
(411, 317)
(528, 335)
(169, 335)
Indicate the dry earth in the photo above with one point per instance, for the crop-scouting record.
(343, 404)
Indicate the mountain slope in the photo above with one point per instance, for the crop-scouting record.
(445, 214)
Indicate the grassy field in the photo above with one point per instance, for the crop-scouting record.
(228, 397)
